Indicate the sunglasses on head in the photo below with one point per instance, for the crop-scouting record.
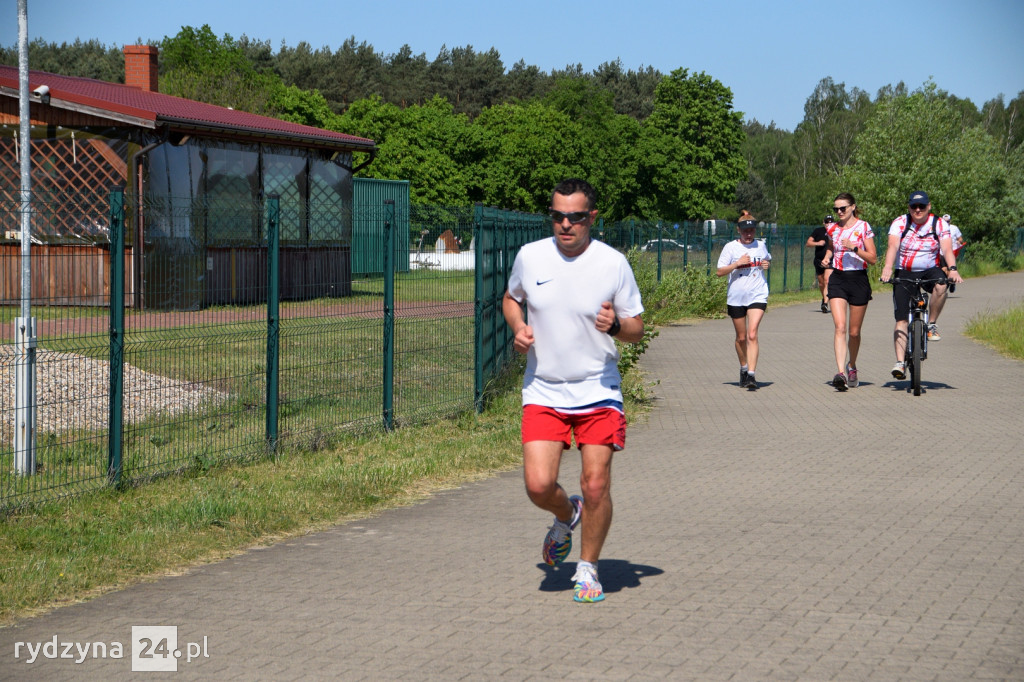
(918, 207)
(841, 209)
(575, 217)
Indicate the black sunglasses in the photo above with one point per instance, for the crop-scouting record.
(575, 217)
(841, 209)
(918, 207)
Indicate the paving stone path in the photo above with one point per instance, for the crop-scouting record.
(793, 533)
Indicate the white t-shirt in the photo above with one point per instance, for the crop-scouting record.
(919, 250)
(857, 232)
(571, 364)
(957, 238)
(746, 285)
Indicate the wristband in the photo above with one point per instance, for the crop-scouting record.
(615, 328)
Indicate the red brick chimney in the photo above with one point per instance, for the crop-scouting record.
(140, 67)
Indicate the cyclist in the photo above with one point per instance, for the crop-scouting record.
(744, 262)
(916, 241)
(851, 249)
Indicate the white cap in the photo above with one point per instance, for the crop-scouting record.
(946, 217)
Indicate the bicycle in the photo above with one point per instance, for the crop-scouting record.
(917, 332)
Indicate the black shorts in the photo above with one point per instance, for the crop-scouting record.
(819, 269)
(851, 285)
(901, 294)
(737, 312)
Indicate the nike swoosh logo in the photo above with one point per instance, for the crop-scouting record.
(544, 282)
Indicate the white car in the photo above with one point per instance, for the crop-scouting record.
(666, 245)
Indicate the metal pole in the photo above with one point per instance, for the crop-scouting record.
(478, 310)
(389, 317)
(115, 407)
(25, 326)
(273, 319)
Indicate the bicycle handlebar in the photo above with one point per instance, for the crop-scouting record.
(915, 280)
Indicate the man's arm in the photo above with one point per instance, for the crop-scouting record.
(515, 318)
(890, 256)
(631, 329)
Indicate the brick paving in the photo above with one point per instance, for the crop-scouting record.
(793, 533)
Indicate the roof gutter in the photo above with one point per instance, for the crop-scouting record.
(263, 135)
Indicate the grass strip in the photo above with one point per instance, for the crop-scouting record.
(1001, 331)
(65, 551)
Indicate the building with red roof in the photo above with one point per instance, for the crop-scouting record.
(196, 177)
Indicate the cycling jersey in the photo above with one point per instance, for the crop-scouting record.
(919, 248)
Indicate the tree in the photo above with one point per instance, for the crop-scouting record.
(633, 90)
(405, 77)
(429, 145)
(768, 151)
(688, 155)
(919, 142)
(88, 59)
(199, 66)
(605, 140)
(524, 150)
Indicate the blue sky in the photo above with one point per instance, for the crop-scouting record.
(770, 54)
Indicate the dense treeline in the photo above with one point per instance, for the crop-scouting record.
(463, 128)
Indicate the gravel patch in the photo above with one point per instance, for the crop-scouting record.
(71, 393)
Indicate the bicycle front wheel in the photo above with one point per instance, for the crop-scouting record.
(916, 346)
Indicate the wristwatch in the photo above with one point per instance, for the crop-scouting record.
(952, 267)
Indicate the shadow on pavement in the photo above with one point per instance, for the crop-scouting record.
(904, 385)
(615, 574)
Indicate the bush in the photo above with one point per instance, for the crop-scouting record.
(689, 292)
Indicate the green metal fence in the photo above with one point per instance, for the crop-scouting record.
(227, 345)
(683, 244)
(231, 348)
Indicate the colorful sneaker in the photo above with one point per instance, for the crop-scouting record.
(933, 333)
(899, 370)
(558, 541)
(839, 381)
(587, 589)
(851, 377)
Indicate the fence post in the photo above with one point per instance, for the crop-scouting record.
(686, 244)
(785, 260)
(803, 249)
(659, 250)
(478, 310)
(389, 317)
(115, 405)
(273, 319)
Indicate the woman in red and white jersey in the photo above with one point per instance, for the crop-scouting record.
(851, 250)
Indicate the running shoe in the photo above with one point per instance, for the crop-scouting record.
(558, 541)
(933, 333)
(851, 377)
(744, 378)
(824, 307)
(587, 589)
(839, 381)
(751, 382)
(899, 370)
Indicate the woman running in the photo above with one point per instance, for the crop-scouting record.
(744, 260)
(851, 250)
